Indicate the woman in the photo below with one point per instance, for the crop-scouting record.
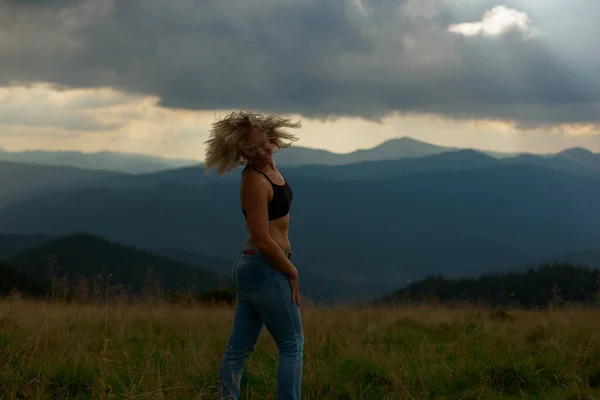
(266, 280)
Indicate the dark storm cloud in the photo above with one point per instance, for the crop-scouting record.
(319, 58)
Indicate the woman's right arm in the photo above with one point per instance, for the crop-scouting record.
(255, 197)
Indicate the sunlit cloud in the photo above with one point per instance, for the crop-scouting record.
(42, 105)
(496, 22)
(139, 124)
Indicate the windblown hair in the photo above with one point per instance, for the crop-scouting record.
(227, 142)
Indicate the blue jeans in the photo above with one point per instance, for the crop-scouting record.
(264, 298)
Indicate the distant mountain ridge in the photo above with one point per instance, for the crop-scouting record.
(392, 149)
(389, 150)
(385, 169)
(18, 180)
(97, 161)
(365, 170)
(133, 163)
(296, 155)
(583, 157)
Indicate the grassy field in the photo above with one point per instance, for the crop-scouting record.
(158, 351)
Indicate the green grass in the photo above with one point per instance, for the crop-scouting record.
(69, 351)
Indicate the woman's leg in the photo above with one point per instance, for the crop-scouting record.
(283, 321)
(267, 292)
(247, 326)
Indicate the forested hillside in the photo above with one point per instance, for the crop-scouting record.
(536, 287)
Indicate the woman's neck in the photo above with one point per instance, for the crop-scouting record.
(265, 167)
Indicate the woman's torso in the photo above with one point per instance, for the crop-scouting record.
(280, 197)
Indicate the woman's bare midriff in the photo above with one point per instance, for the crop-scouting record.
(278, 230)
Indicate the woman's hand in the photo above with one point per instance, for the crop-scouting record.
(295, 285)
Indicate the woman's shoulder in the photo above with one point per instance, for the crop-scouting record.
(252, 176)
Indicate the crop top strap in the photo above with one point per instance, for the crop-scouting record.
(258, 170)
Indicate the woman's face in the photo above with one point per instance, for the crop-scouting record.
(259, 148)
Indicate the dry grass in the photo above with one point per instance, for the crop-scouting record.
(74, 351)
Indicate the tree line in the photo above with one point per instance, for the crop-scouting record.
(553, 283)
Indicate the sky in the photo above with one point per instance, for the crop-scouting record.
(151, 76)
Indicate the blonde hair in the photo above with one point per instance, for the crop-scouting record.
(226, 145)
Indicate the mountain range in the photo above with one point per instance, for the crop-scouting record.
(27, 173)
(20, 180)
(359, 230)
(133, 163)
(392, 149)
(97, 161)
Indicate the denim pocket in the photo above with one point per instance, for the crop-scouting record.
(250, 273)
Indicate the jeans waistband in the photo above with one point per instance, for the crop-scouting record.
(248, 251)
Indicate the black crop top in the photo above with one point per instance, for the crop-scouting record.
(279, 206)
